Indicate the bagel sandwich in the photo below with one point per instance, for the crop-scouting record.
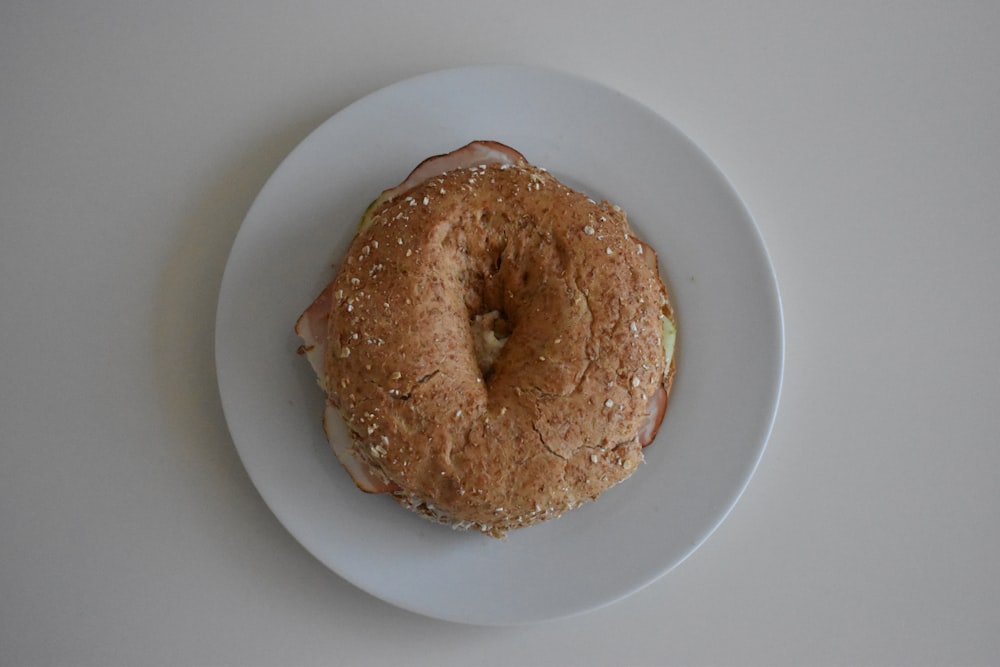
(499, 345)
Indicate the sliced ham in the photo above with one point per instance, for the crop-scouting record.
(312, 327)
(470, 155)
(655, 409)
(360, 471)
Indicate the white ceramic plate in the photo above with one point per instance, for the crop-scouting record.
(729, 359)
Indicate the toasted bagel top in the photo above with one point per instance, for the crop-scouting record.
(496, 345)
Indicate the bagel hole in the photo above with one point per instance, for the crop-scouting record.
(489, 332)
(501, 326)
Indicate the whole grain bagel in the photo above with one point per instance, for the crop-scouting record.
(499, 345)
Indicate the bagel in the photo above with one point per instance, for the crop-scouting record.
(499, 345)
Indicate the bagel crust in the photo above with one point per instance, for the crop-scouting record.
(495, 344)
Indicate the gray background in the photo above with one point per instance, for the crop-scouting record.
(865, 139)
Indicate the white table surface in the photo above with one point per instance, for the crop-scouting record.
(865, 139)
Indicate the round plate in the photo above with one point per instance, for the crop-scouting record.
(729, 357)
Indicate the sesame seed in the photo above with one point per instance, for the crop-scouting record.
(397, 375)
(427, 200)
(588, 230)
(593, 458)
(609, 403)
(458, 413)
(635, 381)
(608, 250)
